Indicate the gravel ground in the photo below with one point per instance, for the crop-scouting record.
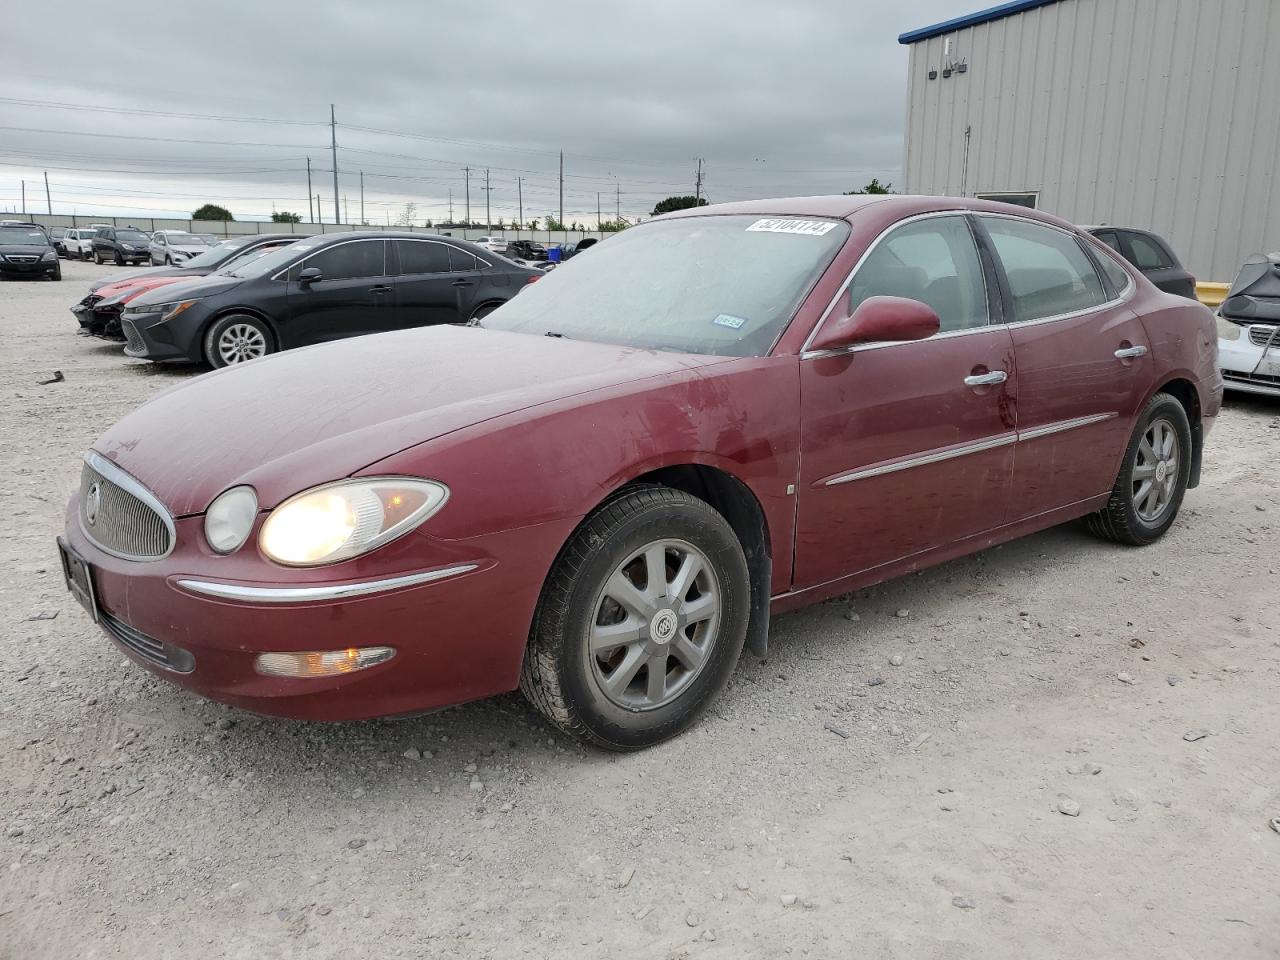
(998, 758)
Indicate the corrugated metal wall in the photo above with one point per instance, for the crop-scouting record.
(1160, 114)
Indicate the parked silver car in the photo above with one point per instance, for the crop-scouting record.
(175, 247)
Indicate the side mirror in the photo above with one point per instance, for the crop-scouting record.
(310, 275)
(879, 320)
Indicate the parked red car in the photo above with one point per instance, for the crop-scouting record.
(602, 491)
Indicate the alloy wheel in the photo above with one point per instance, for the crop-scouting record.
(241, 342)
(1155, 471)
(655, 622)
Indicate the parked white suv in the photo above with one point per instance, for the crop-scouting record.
(175, 247)
(493, 244)
(78, 242)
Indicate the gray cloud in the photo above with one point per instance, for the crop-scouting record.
(780, 98)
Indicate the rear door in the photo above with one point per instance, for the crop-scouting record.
(425, 292)
(907, 446)
(1084, 364)
(353, 297)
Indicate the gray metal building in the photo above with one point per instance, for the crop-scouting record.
(1159, 114)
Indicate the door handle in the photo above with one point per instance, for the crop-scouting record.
(1128, 353)
(464, 283)
(986, 379)
(381, 288)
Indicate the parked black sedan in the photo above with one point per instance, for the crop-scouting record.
(1152, 255)
(26, 251)
(317, 289)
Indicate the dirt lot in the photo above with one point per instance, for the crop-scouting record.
(137, 821)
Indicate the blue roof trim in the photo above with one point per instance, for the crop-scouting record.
(972, 19)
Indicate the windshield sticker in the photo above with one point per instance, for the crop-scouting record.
(809, 228)
(730, 321)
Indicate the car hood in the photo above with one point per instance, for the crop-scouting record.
(193, 288)
(305, 417)
(134, 288)
(190, 250)
(113, 278)
(24, 249)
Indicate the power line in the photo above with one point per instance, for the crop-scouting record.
(131, 111)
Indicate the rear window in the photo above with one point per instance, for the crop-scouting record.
(1049, 274)
(1147, 254)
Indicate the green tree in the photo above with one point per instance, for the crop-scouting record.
(553, 223)
(875, 186)
(211, 211)
(613, 226)
(533, 224)
(678, 203)
(284, 216)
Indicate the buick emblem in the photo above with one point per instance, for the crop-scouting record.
(663, 626)
(92, 503)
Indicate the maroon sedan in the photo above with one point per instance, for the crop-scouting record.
(602, 491)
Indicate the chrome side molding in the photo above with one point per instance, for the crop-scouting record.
(336, 591)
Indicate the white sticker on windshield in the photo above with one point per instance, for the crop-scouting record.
(811, 228)
(730, 321)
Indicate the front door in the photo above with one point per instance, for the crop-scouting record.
(907, 446)
(353, 295)
(1083, 364)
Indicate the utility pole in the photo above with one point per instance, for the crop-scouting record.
(561, 189)
(599, 224)
(311, 214)
(319, 212)
(346, 210)
(46, 193)
(697, 183)
(24, 198)
(520, 194)
(333, 142)
(488, 220)
(617, 202)
(362, 197)
(451, 206)
(467, 171)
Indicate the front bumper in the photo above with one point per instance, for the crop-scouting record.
(36, 268)
(458, 637)
(148, 338)
(1248, 367)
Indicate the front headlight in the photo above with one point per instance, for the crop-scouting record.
(1228, 330)
(229, 519)
(167, 311)
(50, 255)
(343, 520)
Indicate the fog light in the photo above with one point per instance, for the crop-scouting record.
(321, 663)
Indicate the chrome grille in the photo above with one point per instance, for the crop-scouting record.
(1260, 336)
(132, 340)
(149, 648)
(120, 515)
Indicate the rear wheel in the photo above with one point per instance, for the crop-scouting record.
(483, 311)
(641, 621)
(1153, 478)
(237, 338)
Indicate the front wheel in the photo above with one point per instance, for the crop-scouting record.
(238, 338)
(97, 257)
(1153, 478)
(641, 620)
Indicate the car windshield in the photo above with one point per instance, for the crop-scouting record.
(184, 239)
(721, 285)
(29, 235)
(220, 254)
(132, 235)
(274, 260)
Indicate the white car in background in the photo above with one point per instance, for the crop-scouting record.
(172, 248)
(78, 242)
(1249, 328)
(493, 244)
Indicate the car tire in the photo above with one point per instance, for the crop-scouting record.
(121, 261)
(1153, 477)
(168, 262)
(484, 310)
(237, 338)
(605, 693)
(97, 257)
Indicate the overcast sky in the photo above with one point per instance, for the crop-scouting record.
(780, 98)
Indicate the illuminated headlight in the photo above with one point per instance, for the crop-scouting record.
(1228, 330)
(229, 519)
(321, 663)
(345, 519)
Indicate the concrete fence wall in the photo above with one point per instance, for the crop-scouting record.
(240, 228)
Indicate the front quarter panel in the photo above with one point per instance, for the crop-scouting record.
(558, 461)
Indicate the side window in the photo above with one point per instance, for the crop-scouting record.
(1118, 276)
(1048, 272)
(1111, 240)
(346, 261)
(422, 256)
(934, 261)
(1147, 254)
(461, 262)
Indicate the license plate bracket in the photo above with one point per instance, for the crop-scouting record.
(78, 573)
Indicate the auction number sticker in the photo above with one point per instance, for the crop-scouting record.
(810, 228)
